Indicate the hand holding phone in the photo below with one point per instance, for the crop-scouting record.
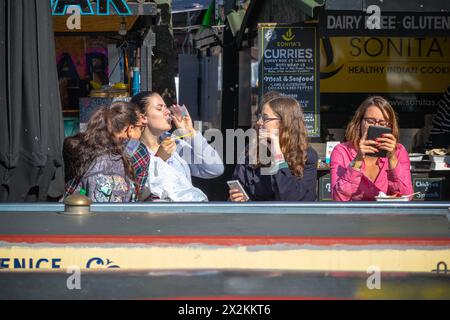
(236, 185)
(373, 133)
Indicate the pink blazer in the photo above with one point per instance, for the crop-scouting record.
(348, 184)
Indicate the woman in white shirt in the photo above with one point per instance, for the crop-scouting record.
(189, 156)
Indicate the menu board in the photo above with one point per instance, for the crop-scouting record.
(288, 63)
(430, 188)
(325, 188)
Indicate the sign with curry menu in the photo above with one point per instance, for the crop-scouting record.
(288, 63)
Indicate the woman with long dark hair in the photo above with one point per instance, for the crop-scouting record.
(181, 158)
(291, 170)
(97, 160)
(358, 176)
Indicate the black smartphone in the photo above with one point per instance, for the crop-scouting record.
(375, 132)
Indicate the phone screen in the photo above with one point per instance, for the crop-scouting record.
(375, 132)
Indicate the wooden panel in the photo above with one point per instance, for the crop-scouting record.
(94, 23)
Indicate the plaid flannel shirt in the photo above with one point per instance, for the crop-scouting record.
(140, 159)
(70, 187)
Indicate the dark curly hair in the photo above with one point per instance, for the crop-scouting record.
(100, 139)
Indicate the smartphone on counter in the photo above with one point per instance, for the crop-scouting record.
(376, 132)
(235, 184)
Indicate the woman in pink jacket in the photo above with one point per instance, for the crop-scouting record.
(356, 176)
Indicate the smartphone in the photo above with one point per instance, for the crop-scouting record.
(235, 184)
(376, 132)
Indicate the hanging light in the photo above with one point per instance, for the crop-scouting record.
(123, 28)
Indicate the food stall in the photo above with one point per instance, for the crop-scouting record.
(405, 59)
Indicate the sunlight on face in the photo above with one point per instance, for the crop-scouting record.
(158, 115)
(268, 119)
(373, 116)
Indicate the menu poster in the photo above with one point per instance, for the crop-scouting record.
(288, 63)
(430, 188)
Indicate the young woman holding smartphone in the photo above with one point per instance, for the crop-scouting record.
(357, 176)
(292, 174)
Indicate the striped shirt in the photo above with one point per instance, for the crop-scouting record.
(441, 121)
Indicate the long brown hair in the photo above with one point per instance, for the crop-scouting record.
(268, 96)
(293, 133)
(99, 138)
(353, 132)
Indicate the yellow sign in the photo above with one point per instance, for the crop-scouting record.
(44, 257)
(385, 64)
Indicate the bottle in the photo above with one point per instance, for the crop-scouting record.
(136, 81)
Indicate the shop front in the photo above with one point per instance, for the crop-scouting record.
(397, 50)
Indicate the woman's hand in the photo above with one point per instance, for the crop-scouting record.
(388, 143)
(366, 147)
(166, 149)
(274, 140)
(182, 120)
(236, 195)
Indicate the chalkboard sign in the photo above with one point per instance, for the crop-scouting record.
(325, 188)
(289, 64)
(430, 188)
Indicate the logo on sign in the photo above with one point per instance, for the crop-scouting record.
(288, 36)
(99, 262)
(270, 35)
(52, 263)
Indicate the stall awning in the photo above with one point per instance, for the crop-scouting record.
(236, 18)
(419, 6)
(308, 6)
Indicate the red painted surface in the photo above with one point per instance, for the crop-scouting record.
(222, 240)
